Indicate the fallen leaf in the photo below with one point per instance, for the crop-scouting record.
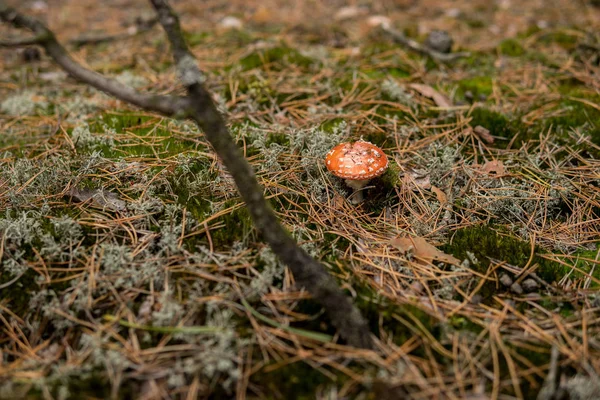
(494, 167)
(439, 193)
(428, 91)
(417, 178)
(99, 197)
(422, 250)
(484, 134)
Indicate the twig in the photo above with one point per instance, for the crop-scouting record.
(167, 105)
(413, 45)
(22, 42)
(199, 107)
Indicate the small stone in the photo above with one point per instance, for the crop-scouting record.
(530, 285)
(506, 280)
(516, 288)
(439, 41)
(477, 299)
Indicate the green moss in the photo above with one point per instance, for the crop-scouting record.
(89, 386)
(294, 381)
(485, 243)
(237, 226)
(195, 38)
(391, 178)
(378, 138)
(540, 358)
(500, 125)
(330, 124)
(562, 38)
(199, 206)
(584, 261)
(382, 73)
(19, 293)
(147, 136)
(577, 114)
(475, 23)
(480, 61)
(511, 48)
(346, 83)
(237, 37)
(98, 386)
(377, 47)
(397, 319)
(478, 85)
(276, 57)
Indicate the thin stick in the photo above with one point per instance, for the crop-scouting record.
(402, 39)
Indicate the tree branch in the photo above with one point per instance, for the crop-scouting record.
(198, 106)
(402, 39)
(308, 273)
(170, 106)
(22, 42)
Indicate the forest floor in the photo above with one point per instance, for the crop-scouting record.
(130, 267)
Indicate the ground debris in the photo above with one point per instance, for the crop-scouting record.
(98, 197)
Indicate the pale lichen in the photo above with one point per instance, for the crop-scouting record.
(25, 103)
(188, 71)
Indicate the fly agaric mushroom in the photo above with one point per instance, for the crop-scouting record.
(357, 163)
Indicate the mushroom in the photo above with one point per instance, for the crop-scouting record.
(357, 163)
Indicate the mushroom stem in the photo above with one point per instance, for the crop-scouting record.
(357, 184)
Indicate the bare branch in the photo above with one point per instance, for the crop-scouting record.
(415, 46)
(198, 106)
(308, 272)
(22, 42)
(166, 105)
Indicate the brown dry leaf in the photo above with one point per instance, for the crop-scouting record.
(494, 167)
(484, 134)
(422, 250)
(428, 91)
(439, 193)
(417, 178)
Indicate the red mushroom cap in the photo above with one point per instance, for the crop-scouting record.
(358, 160)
